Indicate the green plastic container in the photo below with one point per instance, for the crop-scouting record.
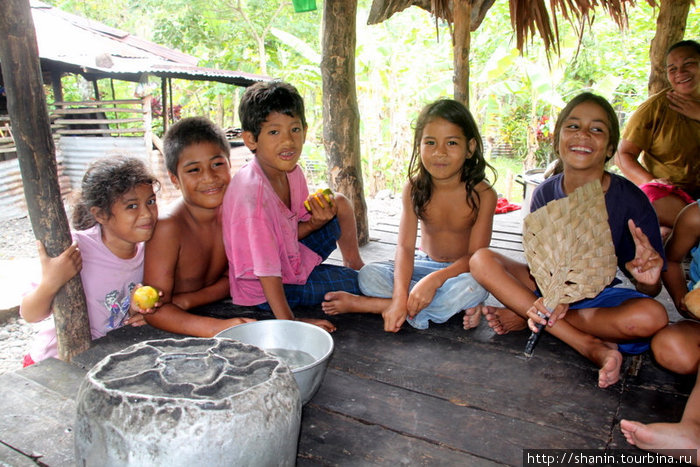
(301, 6)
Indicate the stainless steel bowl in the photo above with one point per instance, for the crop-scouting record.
(305, 348)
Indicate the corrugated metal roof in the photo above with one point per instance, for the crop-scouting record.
(73, 44)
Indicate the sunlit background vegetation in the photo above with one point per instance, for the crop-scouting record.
(401, 64)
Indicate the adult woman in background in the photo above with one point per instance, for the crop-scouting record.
(665, 129)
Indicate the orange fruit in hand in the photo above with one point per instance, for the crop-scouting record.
(146, 297)
(325, 192)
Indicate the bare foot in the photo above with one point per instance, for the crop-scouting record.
(660, 436)
(472, 317)
(339, 302)
(503, 320)
(609, 359)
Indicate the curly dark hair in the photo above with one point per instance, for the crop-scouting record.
(263, 98)
(190, 131)
(473, 169)
(603, 104)
(104, 182)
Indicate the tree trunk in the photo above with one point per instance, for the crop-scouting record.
(462, 11)
(670, 28)
(26, 105)
(341, 116)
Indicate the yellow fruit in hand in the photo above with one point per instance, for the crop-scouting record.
(146, 297)
(327, 194)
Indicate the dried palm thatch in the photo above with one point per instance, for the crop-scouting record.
(569, 248)
(529, 17)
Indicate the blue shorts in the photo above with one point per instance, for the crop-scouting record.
(325, 277)
(611, 297)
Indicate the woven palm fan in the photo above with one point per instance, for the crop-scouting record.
(569, 248)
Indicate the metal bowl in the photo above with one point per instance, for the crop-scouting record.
(305, 348)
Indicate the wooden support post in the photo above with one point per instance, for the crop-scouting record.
(57, 86)
(670, 28)
(341, 115)
(164, 103)
(462, 42)
(26, 105)
(96, 89)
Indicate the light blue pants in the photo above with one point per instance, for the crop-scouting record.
(456, 294)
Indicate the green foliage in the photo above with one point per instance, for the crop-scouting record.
(401, 65)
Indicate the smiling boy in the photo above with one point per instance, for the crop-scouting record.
(185, 258)
(274, 246)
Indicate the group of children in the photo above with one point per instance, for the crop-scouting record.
(252, 239)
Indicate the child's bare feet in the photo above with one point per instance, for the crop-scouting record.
(472, 317)
(340, 302)
(660, 436)
(321, 323)
(609, 359)
(503, 320)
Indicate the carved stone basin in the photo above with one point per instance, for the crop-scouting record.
(191, 401)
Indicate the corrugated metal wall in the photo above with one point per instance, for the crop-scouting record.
(12, 202)
(79, 151)
(11, 192)
(75, 153)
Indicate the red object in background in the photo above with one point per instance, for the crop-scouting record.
(503, 206)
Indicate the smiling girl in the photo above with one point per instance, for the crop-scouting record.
(449, 197)
(115, 215)
(585, 137)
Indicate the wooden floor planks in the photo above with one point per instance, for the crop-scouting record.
(441, 396)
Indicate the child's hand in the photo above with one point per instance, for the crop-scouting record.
(55, 272)
(135, 320)
(322, 210)
(321, 323)
(647, 263)
(421, 295)
(540, 314)
(394, 317)
(135, 309)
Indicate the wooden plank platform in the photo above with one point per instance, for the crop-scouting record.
(442, 396)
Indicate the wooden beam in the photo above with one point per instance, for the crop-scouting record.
(26, 105)
(99, 131)
(99, 103)
(341, 115)
(164, 103)
(461, 13)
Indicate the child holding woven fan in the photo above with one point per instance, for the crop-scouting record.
(586, 135)
(449, 195)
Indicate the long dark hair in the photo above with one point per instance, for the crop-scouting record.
(104, 182)
(474, 167)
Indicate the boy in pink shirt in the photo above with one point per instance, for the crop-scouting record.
(274, 246)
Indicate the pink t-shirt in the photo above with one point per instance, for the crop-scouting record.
(261, 233)
(107, 280)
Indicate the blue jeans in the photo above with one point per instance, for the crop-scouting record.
(456, 294)
(325, 277)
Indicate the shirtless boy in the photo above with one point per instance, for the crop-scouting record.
(185, 258)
